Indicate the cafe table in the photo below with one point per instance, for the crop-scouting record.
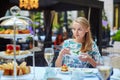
(40, 74)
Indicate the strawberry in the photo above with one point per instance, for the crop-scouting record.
(10, 47)
(64, 64)
(17, 47)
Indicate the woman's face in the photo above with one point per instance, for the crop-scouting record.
(78, 31)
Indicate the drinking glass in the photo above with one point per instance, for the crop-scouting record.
(49, 55)
(105, 69)
(42, 37)
(53, 38)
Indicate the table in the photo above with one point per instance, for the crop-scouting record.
(40, 71)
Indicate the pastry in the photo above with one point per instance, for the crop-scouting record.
(64, 68)
(20, 69)
(10, 49)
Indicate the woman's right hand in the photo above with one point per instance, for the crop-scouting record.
(64, 51)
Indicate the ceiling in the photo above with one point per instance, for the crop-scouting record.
(61, 5)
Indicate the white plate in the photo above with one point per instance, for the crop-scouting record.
(4, 55)
(11, 76)
(20, 77)
(17, 35)
(65, 72)
(87, 71)
(89, 75)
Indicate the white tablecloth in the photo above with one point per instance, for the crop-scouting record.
(40, 71)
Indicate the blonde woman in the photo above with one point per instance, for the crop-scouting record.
(82, 50)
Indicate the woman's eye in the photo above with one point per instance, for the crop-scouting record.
(73, 29)
(79, 29)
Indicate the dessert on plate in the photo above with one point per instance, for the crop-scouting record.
(10, 49)
(21, 69)
(64, 68)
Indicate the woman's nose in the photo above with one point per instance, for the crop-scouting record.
(76, 31)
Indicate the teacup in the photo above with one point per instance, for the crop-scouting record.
(50, 73)
(77, 75)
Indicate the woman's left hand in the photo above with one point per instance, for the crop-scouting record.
(84, 57)
(87, 58)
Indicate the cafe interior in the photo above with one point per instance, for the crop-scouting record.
(29, 27)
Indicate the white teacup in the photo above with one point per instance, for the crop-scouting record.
(77, 75)
(50, 73)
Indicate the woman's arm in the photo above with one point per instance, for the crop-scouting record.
(58, 62)
(93, 56)
(59, 59)
(92, 62)
(85, 57)
(96, 55)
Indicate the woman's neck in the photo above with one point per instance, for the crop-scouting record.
(78, 41)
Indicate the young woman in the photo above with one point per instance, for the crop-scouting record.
(82, 50)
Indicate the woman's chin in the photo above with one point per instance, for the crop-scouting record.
(78, 39)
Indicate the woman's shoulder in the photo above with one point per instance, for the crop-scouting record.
(94, 43)
(94, 47)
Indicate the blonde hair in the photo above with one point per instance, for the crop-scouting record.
(87, 43)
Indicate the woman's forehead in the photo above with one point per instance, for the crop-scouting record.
(76, 24)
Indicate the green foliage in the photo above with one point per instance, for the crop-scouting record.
(116, 37)
(29, 38)
(36, 17)
(57, 26)
(61, 21)
(1, 28)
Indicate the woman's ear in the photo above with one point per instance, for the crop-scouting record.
(87, 29)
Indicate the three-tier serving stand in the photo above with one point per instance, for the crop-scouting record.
(25, 22)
